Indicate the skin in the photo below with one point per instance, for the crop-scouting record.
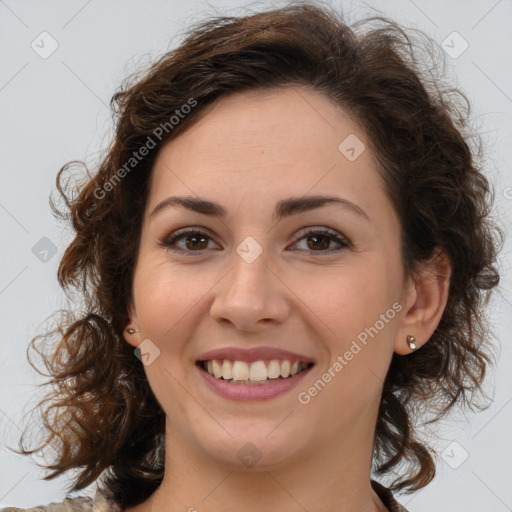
(247, 152)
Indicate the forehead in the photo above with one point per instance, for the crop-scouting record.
(288, 141)
(283, 124)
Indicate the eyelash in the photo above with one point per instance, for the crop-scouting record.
(169, 241)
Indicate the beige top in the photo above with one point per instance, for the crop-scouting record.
(102, 503)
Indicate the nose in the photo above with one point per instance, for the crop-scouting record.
(251, 296)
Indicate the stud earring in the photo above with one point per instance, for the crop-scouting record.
(410, 342)
(132, 331)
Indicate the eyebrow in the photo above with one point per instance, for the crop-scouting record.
(284, 208)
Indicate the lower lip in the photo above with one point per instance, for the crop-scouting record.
(242, 392)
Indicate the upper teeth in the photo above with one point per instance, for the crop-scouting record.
(256, 371)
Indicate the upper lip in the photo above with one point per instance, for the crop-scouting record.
(253, 354)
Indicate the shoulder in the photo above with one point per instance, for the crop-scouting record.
(103, 503)
(100, 503)
(68, 505)
(387, 497)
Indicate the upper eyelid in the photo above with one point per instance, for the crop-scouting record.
(301, 233)
(207, 231)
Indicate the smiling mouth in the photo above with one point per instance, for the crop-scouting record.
(253, 373)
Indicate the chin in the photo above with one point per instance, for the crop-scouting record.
(256, 447)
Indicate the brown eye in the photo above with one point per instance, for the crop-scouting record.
(320, 240)
(317, 241)
(194, 241)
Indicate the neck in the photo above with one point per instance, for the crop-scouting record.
(332, 475)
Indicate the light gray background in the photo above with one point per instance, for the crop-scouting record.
(56, 109)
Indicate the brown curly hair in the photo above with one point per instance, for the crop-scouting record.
(101, 416)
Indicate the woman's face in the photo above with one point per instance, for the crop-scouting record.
(254, 280)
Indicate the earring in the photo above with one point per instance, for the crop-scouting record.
(132, 331)
(410, 342)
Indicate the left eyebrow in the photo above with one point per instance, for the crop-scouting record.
(284, 208)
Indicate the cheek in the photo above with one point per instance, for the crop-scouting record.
(165, 308)
(161, 301)
(357, 307)
(164, 296)
(348, 299)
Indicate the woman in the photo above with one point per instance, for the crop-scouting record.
(283, 258)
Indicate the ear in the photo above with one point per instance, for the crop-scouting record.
(132, 338)
(426, 297)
